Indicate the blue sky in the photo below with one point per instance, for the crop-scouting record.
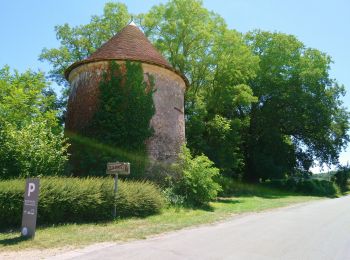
(28, 26)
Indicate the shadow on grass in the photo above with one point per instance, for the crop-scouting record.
(205, 207)
(241, 189)
(272, 193)
(208, 207)
(13, 240)
(263, 193)
(228, 201)
(13, 230)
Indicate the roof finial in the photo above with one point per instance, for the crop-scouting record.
(132, 21)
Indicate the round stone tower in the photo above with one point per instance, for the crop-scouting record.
(170, 85)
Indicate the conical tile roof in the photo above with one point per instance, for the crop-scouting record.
(129, 44)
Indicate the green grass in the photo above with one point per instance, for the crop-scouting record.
(76, 235)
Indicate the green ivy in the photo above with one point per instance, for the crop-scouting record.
(121, 124)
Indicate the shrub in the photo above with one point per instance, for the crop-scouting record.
(308, 186)
(32, 149)
(64, 200)
(139, 198)
(172, 198)
(318, 187)
(11, 202)
(234, 187)
(277, 183)
(229, 186)
(342, 177)
(195, 180)
(31, 139)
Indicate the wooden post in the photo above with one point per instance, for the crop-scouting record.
(115, 168)
(115, 195)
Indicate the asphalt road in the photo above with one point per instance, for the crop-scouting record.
(317, 230)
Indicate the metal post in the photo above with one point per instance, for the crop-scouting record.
(115, 195)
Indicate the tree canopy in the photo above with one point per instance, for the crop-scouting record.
(78, 42)
(31, 139)
(299, 116)
(260, 105)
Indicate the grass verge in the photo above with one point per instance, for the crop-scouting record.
(77, 235)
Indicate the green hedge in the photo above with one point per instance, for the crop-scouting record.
(310, 187)
(65, 200)
(233, 187)
(342, 177)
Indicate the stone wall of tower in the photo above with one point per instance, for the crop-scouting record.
(83, 99)
(168, 122)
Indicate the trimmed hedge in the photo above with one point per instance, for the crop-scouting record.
(310, 187)
(67, 200)
(232, 187)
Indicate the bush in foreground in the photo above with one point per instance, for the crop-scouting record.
(64, 200)
(195, 179)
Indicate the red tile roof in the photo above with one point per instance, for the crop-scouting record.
(129, 44)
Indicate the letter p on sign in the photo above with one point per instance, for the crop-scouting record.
(31, 188)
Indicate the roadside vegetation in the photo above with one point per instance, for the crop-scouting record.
(253, 199)
(77, 200)
(261, 109)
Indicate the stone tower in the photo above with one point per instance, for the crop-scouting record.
(170, 85)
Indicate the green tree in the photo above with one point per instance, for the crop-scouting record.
(197, 42)
(342, 176)
(26, 97)
(122, 121)
(299, 116)
(184, 31)
(31, 140)
(79, 42)
(218, 64)
(262, 103)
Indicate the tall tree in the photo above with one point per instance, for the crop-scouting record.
(218, 64)
(264, 102)
(26, 97)
(79, 42)
(197, 42)
(185, 32)
(299, 116)
(31, 140)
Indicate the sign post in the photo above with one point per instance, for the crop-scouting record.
(30, 207)
(115, 168)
